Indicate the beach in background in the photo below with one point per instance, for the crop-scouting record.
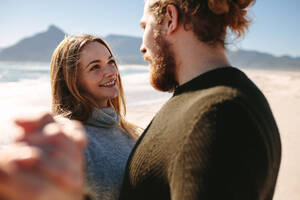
(25, 89)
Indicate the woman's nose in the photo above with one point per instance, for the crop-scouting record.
(111, 71)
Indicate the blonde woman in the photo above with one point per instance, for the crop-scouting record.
(86, 86)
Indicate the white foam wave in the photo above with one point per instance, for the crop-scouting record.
(136, 67)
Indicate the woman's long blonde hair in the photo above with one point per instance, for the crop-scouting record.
(67, 101)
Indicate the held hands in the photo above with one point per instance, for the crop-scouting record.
(45, 162)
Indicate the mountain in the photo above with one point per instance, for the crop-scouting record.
(39, 48)
(255, 59)
(126, 48)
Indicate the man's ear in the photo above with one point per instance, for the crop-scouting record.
(172, 18)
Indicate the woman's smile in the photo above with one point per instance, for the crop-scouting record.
(110, 83)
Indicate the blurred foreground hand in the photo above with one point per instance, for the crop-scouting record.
(45, 162)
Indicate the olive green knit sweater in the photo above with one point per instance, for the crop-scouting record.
(216, 138)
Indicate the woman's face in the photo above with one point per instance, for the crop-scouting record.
(98, 73)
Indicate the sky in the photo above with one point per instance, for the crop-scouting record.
(275, 28)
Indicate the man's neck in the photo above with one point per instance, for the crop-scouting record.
(194, 58)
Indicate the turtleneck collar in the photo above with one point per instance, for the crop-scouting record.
(212, 78)
(104, 117)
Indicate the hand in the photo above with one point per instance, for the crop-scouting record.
(46, 162)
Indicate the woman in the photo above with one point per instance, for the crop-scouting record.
(86, 86)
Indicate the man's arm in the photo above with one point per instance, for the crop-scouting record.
(223, 157)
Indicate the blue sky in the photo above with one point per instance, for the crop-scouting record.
(275, 28)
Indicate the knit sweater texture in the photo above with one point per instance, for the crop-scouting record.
(216, 138)
(106, 154)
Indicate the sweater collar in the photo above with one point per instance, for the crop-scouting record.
(104, 117)
(215, 77)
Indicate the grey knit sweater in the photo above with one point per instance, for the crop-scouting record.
(106, 154)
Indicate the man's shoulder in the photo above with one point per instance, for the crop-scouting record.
(204, 99)
(217, 92)
(189, 108)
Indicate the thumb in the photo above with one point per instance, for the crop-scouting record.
(35, 123)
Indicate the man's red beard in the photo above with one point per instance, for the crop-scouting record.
(162, 66)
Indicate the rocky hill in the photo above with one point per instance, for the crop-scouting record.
(39, 48)
(255, 59)
(36, 48)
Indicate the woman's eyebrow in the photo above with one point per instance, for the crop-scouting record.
(94, 61)
(98, 60)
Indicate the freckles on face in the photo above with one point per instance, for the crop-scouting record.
(98, 73)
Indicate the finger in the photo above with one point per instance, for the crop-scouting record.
(56, 164)
(53, 134)
(64, 168)
(76, 132)
(11, 157)
(66, 172)
(10, 187)
(29, 162)
(50, 135)
(62, 158)
(73, 130)
(3, 175)
(35, 123)
(30, 185)
(21, 183)
(18, 154)
(65, 161)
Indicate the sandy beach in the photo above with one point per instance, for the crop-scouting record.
(282, 89)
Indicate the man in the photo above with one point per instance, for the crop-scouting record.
(216, 138)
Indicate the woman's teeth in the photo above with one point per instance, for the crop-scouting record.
(108, 84)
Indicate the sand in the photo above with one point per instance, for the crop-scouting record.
(282, 89)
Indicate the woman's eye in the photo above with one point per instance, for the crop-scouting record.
(95, 67)
(112, 62)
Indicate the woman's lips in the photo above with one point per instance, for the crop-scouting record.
(109, 84)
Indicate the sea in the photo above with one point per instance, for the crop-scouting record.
(25, 90)
(17, 71)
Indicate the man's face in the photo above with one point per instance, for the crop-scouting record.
(157, 52)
